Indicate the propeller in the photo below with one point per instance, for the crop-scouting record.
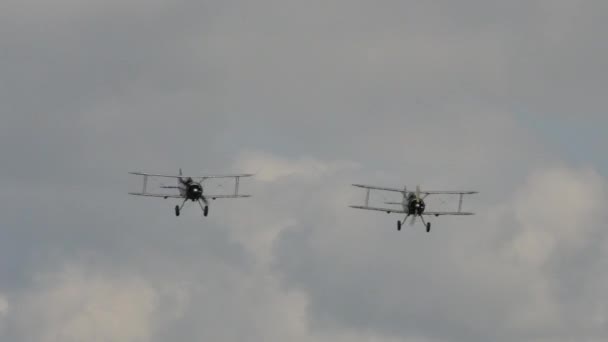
(414, 216)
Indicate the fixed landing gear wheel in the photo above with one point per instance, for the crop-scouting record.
(177, 210)
(398, 225)
(428, 227)
(206, 211)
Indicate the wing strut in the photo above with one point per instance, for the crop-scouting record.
(460, 203)
(367, 197)
(145, 184)
(236, 185)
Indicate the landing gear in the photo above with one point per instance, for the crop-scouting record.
(426, 224)
(204, 208)
(179, 208)
(401, 223)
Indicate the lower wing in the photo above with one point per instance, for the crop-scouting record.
(444, 213)
(146, 194)
(155, 195)
(225, 196)
(386, 210)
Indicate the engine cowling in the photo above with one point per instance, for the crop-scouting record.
(417, 207)
(194, 192)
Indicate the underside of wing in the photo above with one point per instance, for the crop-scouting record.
(445, 213)
(386, 210)
(378, 188)
(155, 195)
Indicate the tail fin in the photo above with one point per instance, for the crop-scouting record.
(180, 171)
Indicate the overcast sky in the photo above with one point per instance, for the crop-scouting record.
(504, 97)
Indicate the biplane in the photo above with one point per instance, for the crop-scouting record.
(413, 204)
(189, 189)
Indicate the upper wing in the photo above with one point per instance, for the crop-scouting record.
(193, 177)
(449, 192)
(443, 213)
(378, 188)
(386, 210)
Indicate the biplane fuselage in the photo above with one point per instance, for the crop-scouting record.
(412, 204)
(189, 189)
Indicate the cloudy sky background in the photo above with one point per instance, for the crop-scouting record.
(507, 98)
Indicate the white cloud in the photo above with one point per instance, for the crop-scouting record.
(74, 305)
(270, 168)
(557, 208)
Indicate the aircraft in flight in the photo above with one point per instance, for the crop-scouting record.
(413, 204)
(189, 188)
